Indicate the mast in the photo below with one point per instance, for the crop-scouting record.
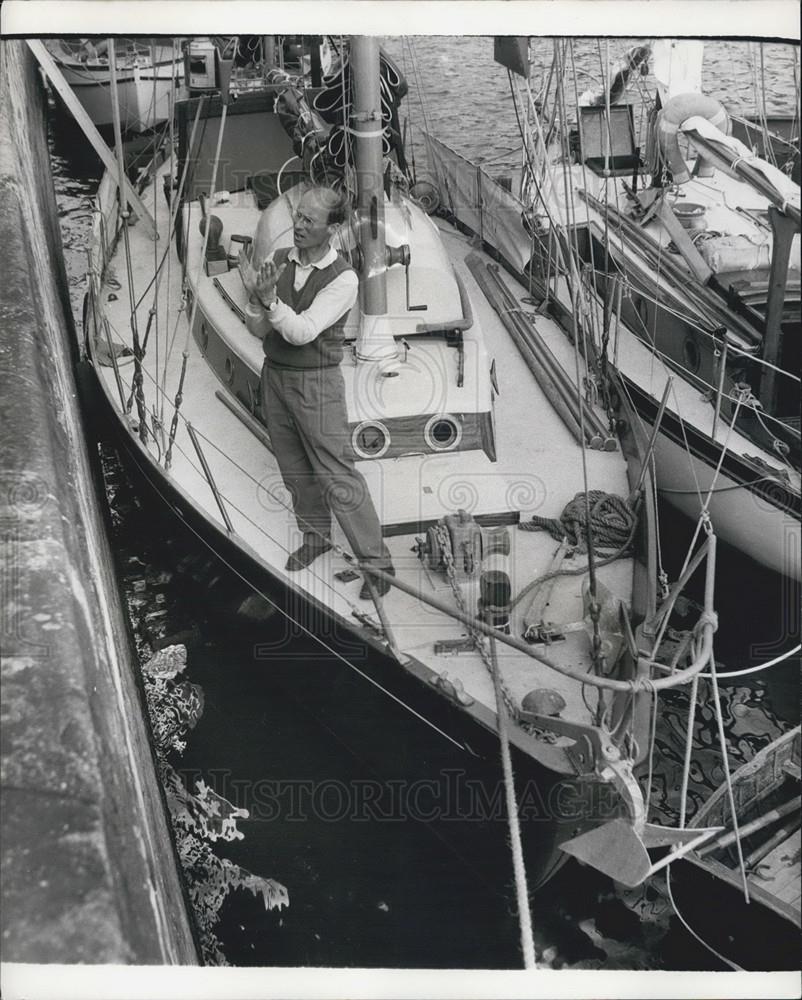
(375, 341)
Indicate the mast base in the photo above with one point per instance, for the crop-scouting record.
(376, 341)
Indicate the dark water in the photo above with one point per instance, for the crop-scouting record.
(394, 893)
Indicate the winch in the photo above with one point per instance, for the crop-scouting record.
(470, 545)
(465, 551)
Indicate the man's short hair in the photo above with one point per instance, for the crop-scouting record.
(335, 203)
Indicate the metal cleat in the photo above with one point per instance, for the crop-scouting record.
(453, 689)
(544, 633)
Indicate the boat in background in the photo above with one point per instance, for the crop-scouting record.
(543, 647)
(774, 138)
(153, 71)
(756, 914)
(680, 271)
(149, 70)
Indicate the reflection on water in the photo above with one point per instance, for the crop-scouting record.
(433, 910)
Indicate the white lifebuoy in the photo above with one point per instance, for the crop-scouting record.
(676, 111)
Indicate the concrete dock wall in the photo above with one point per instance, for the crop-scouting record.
(88, 868)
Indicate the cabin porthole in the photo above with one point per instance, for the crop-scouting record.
(691, 356)
(229, 371)
(204, 338)
(442, 432)
(370, 439)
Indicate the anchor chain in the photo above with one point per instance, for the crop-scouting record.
(444, 540)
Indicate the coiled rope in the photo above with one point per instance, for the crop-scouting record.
(607, 524)
(611, 522)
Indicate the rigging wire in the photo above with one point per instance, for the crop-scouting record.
(683, 805)
(191, 323)
(727, 775)
(225, 453)
(170, 174)
(756, 669)
(726, 961)
(155, 307)
(702, 521)
(124, 215)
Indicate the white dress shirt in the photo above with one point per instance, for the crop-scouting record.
(329, 304)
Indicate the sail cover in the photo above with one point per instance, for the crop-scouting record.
(732, 156)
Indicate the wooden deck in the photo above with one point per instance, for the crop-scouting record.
(779, 871)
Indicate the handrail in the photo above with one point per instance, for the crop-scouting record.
(707, 629)
(706, 626)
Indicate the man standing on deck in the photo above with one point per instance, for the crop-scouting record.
(299, 300)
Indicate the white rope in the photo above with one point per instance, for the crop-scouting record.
(521, 887)
(652, 740)
(682, 809)
(686, 768)
(759, 667)
(726, 763)
(692, 932)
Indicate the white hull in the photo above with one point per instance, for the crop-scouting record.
(742, 518)
(751, 508)
(144, 88)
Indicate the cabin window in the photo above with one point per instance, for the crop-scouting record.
(370, 439)
(229, 371)
(442, 432)
(204, 338)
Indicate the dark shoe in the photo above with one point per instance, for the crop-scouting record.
(306, 554)
(381, 586)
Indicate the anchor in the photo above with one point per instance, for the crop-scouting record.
(618, 848)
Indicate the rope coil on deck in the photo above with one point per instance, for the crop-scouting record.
(611, 522)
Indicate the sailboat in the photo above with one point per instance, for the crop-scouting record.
(749, 876)
(534, 656)
(680, 268)
(148, 72)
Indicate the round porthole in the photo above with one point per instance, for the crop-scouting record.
(442, 432)
(229, 371)
(203, 338)
(370, 439)
(690, 353)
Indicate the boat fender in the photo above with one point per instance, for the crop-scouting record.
(676, 111)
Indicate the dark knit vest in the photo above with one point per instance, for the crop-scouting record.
(326, 350)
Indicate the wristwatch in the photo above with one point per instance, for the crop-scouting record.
(269, 305)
